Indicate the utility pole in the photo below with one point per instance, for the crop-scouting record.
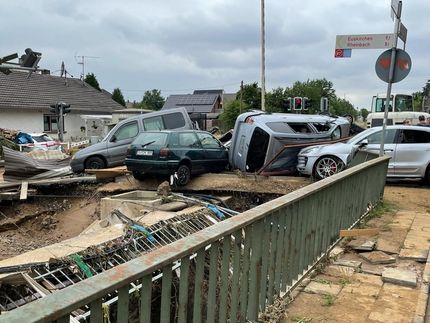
(241, 96)
(263, 60)
(397, 13)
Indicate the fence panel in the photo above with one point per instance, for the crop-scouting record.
(257, 255)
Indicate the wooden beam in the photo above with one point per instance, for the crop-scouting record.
(358, 232)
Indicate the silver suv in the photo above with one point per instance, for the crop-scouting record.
(408, 147)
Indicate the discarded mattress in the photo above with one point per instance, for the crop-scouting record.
(19, 166)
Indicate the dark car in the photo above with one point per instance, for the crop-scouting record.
(185, 153)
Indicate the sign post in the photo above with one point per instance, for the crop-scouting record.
(396, 9)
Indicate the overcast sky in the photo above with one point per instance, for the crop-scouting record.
(178, 46)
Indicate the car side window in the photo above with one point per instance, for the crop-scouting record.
(174, 120)
(208, 141)
(188, 139)
(375, 138)
(127, 131)
(415, 137)
(154, 123)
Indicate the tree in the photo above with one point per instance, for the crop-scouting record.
(231, 112)
(118, 97)
(364, 113)
(275, 100)
(251, 96)
(152, 100)
(313, 90)
(342, 107)
(92, 80)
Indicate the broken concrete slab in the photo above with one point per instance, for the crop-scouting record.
(339, 271)
(348, 263)
(400, 277)
(322, 289)
(387, 245)
(372, 269)
(336, 252)
(362, 245)
(414, 254)
(377, 257)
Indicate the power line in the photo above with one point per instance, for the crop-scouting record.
(182, 90)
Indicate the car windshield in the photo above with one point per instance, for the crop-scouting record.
(151, 138)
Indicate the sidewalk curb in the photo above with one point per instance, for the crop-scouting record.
(420, 311)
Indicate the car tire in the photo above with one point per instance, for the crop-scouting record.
(95, 163)
(140, 176)
(184, 174)
(327, 166)
(427, 176)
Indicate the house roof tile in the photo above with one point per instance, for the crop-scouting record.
(37, 91)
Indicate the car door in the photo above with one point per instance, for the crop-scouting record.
(412, 153)
(189, 148)
(119, 141)
(374, 146)
(216, 156)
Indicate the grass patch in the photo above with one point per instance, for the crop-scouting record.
(381, 209)
(322, 281)
(328, 300)
(344, 281)
(386, 227)
(301, 319)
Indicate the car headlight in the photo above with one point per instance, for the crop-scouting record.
(307, 151)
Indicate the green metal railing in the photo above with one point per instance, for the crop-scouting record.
(232, 270)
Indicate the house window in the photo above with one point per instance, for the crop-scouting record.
(50, 123)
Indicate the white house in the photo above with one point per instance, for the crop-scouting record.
(25, 105)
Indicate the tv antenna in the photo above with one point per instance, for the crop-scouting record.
(82, 62)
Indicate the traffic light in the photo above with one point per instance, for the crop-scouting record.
(66, 108)
(298, 103)
(54, 109)
(324, 104)
(287, 104)
(307, 103)
(30, 59)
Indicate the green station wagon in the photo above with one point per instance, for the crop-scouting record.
(185, 153)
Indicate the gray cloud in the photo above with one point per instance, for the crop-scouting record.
(178, 46)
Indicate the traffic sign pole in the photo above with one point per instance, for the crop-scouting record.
(397, 14)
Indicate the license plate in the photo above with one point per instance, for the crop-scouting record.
(144, 153)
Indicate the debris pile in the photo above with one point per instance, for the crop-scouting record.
(36, 280)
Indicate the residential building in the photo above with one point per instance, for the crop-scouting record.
(25, 101)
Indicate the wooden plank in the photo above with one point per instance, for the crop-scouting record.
(24, 188)
(108, 172)
(358, 232)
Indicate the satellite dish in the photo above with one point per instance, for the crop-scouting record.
(63, 69)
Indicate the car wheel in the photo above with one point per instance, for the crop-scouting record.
(140, 176)
(427, 178)
(95, 163)
(327, 166)
(184, 174)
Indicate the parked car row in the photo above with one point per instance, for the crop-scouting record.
(165, 143)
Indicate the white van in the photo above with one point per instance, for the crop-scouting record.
(111, 151)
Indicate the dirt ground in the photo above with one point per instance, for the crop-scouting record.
(40, 222)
